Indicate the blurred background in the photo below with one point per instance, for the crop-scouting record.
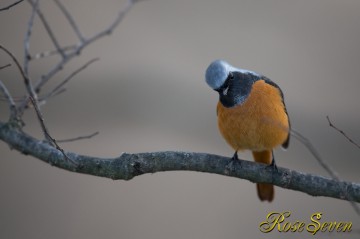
(147, 93)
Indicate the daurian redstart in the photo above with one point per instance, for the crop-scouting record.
(251, 114)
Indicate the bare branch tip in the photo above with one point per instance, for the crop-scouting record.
(11, 5)
(328, 119)
(17, 63)
(5, 66)
(342, 132)
(78, 138)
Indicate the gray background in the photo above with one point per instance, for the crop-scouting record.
(147, 93)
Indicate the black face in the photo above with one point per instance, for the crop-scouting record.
(236, 88)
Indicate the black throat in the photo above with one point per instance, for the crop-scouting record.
(236, 88)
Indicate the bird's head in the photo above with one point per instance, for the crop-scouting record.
(232, 84)
(217, 73)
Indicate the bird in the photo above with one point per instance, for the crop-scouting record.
(251, 115)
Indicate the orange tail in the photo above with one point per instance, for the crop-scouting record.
(265, 190)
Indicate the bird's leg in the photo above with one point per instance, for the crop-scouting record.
(235, 156)
(273, 163)
(233, 161)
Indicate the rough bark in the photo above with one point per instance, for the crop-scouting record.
(128, 166)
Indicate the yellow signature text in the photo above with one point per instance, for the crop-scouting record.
(279, 221)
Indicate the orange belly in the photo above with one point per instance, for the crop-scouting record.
(260, 123)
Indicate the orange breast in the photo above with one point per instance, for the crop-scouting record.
(259, 123)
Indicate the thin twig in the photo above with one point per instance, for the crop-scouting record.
(52, 52)
(27, 81)
(80, 47)
(55, 94)
(27, 37)
(77, 138)
(16, 99)
(10, 100)
(23, 74)
(5, 66)
(11, 5)
(14, 59)
(46, 97)
(42, 122)
(113, 25)
(48, 30)
(85, 43)
(41, 99)
(327, 168)
(317, 156)
(46, 131)
(342, 132)
(13, 110)
(46, 77)
(70, 20)
(315, 153)
(67, 79)
(36, 107)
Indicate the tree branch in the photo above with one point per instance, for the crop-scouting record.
(59, 87)
(66, 57)
(82, 45)
(33, 99)
(128, 166)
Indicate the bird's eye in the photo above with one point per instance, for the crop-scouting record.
(231, 75)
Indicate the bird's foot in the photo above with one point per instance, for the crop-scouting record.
(235, 156)
(234, 160)
(272, 166)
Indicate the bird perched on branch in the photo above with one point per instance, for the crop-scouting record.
(251, 114)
